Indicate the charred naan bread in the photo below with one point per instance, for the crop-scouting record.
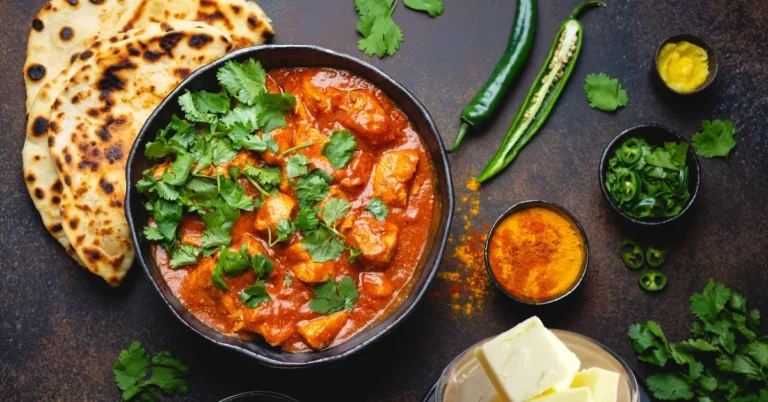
(94, 122)
(40, 173)
(65, 28)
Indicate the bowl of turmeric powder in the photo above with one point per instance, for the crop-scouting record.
(537, 252)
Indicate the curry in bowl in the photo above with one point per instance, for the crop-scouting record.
(295, 205)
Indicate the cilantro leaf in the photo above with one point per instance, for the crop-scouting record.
(381, 36)
(307, 219)
(184, 255)
(330, 298)
(243, 117)
(254, 295)
(245, 81)
(604, 93)
(243, 137)
(153, 234)
(202, 106)
(131, 366)
(678, 152)
(661, 158)
(433, 7)
(271, 143)
(296, 166)
(377, 207)
(335, 209)
(312, 188)
(708, 304)
(269, 176)
(669, 387)
(322, 245)
(284, 229)
(262, 266)
(217, 278)
(234, 263)
(218, 227)
(339, 148)
(759, 352)
(715, 138)
(179, 170)
(168, 374)
(234, 194)
(273, 108)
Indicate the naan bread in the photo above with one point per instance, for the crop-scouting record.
(64, 28)
(94, 123)
(40, 173)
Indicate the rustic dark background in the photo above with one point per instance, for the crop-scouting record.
(61, 328)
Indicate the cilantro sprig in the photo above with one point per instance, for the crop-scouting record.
(381, 35)
(715, 138)
(340, 148)
(132, 366)
(726, 357)
(331, 297)
(605, 93)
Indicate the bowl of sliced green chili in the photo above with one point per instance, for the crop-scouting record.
(650, 175)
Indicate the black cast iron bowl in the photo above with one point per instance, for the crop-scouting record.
(258, 396)
(286, 56)
(558, 209)
(654, 135)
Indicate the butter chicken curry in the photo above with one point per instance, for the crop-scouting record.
(294, 204)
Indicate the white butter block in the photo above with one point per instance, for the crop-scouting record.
(604, 384)
(570, 395)
(527, 360)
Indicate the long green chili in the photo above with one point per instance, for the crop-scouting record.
(482, 107)
(543, 94)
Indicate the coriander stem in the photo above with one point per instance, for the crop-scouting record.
(296, 148)
(256, 184)
(333, 230)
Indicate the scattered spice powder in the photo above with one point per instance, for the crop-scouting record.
(536, 254)
(469, 284)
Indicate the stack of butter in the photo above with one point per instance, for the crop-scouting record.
(529, 363)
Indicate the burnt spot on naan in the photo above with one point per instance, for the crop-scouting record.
(67, 180)
(55, 228)
(115, 203)
(66, 34)
(36, 72)
(67, 157)
(104, 131)
(137, 14)
(152, 56)
(37, 25)
(73, 223)
(110, 81)
(114, 154)
(169, 42)
(199, 40)
(57, 187)
(37, 158)
(92, 254)
(93, 112)
(39, 126)
(86, 55)
(235, 8)
(73, 58)
(88, 164)
(182, 72)
(97, 2)
(76, 99)
(56, 200)
(39, 193)
(106, 186)
(132, 50)
(30, 178)
(72, 2)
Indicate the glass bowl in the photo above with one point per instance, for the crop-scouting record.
(464, 381)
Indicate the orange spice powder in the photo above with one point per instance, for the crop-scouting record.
(536, 254)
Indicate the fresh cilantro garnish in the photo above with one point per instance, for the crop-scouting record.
(273, 108)
(203, 106)
(377, 207)
(284, 229)
(433, 7)
(605, 93)
(218, 228)
(340, 148)
(132, 366)
(217, 278)
(726, 358)
(234, 194)
(334, 209)
(322, 245)
(262, 266)
(184, 255)
(153, 234)
(331, 298)
(233, 263)
(307, 219)
(245, 81)
(296, 165)
(312, 187)
(254, 295)
(381, 36)
(265, 178)
(715, 138)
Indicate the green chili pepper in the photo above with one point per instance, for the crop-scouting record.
(482, 107)
(655, 257)
(630, 151)
(543, 94)
(629, 182)
(652, 281)
(632, 254)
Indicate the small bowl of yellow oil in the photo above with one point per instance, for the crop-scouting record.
(686, 64)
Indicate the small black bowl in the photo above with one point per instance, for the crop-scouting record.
(711, 60)
(554, 208)
(654, 135)
(258, 396)
(287, 56)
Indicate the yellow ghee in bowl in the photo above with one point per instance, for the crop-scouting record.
(683, 66)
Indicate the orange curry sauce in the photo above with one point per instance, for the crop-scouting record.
(390, 162)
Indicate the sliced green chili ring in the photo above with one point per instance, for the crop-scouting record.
(630, 151)
(652, 281)
(632, 254)
(629, 182)
(656, 256)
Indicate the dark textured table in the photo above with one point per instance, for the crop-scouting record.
(61, 327)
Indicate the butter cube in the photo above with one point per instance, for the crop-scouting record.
(526, 361)
(604, 384)
(570, 395)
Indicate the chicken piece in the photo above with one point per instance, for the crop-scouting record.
(241, 159)
(270, 321)
(392, 175)
(161, 168)
(252, 245)
(320, 332)
(191, 230)
(375, 284)
(199, 291)
(274, 210)
(376, 240)
(284, 138)
(365, 115)
(308, 271)
(357, 171)
(320, 99)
